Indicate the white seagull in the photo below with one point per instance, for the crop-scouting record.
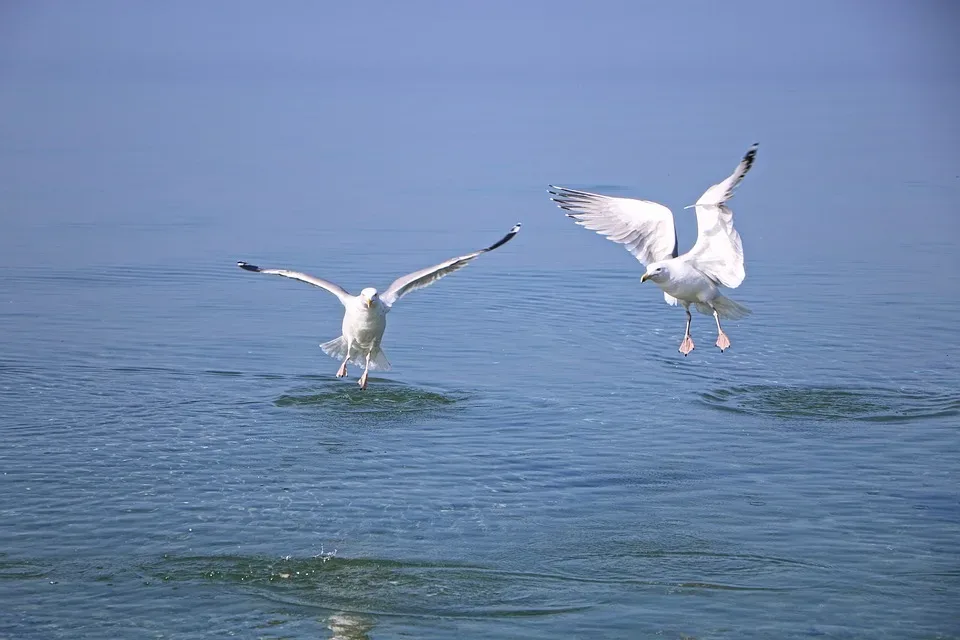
(648, 232)
(365, 315)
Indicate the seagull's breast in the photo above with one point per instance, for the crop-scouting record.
(688, 284)
(364, 324)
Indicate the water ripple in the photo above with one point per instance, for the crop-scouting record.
(379, 586)
(20, 569)
(832, 403)
(383, 397)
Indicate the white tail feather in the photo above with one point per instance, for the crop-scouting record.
(726, 307)
(379, 361)
(337, 348)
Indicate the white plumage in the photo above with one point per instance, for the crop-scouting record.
(647, 231)
(365, 315)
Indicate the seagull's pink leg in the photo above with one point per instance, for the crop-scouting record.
(342, 371)
(687, 345)
(366, 372)
(722, 340)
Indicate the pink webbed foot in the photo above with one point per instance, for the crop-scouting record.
(723, 341)
(687, 345)
(363, 381)
(342, 371)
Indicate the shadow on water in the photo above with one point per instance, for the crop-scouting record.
(826, 403)
(382, 398)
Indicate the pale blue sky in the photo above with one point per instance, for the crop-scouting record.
(739, 38)
(247, 119)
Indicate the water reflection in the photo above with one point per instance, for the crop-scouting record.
(350, 626)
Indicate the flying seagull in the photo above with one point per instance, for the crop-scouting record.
(647, 231)
(365, 315)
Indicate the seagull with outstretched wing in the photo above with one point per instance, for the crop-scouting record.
(647, 231)
(365, 315)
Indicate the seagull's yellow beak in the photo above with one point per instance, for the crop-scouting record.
(369, 302)
(644, 278)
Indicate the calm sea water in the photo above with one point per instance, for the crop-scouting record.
(178, 460)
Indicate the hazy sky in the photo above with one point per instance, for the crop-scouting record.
(737, 38)
(412, 115)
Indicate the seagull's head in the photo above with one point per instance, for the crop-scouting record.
(369, 296)
(656, 272)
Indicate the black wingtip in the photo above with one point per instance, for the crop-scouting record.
(505, 239)
(248, 267)
(750, 156)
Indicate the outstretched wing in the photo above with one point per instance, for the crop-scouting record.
(645, 228)
(302, 277)
(720, 193)
(425, 277)
(718, 252)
